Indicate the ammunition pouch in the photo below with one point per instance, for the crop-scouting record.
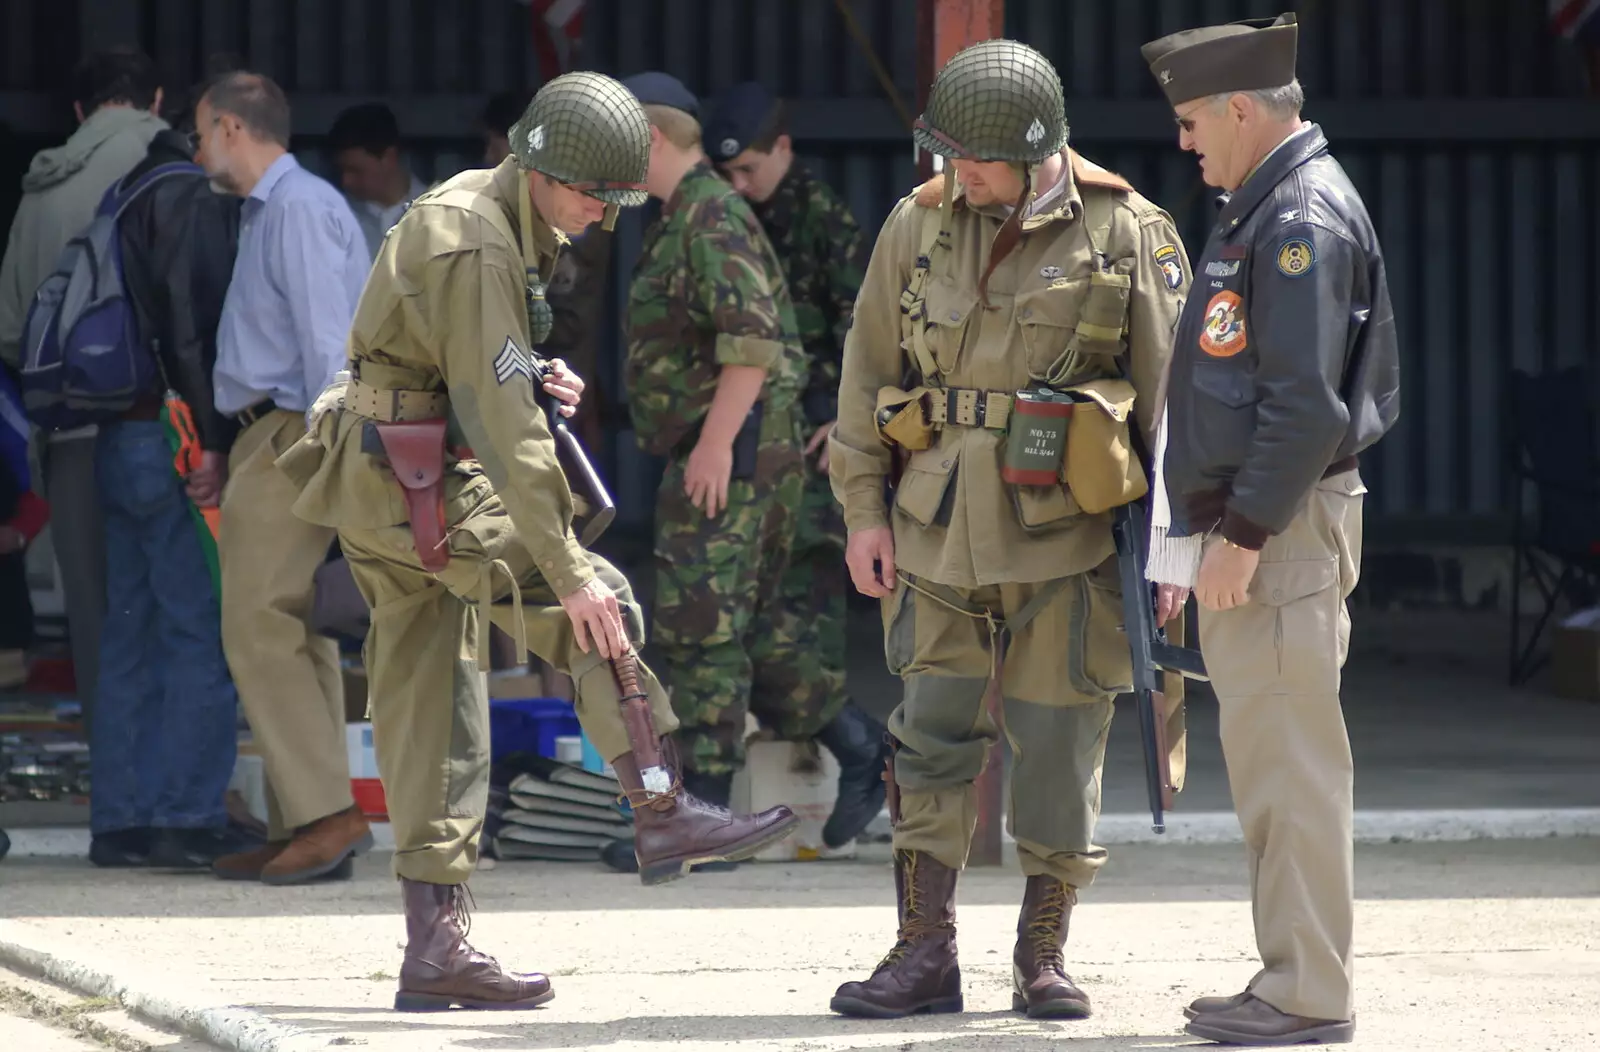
(1101, 467)
(902, 420)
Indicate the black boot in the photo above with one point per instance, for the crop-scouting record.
(858, 742)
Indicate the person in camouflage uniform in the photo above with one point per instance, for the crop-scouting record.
(432, 456)
(821, 248)
(714, 375)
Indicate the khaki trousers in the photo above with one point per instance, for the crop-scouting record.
(1275, 664)
(430, 703)
(1062, 671)
(287, 676)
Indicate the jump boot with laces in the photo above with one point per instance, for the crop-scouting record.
(1040, 985)
(714, 789)
(921, 973)
(442, 970)
(673, 830)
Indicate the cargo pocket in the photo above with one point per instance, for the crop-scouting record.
(1301, 601)
(923, 485)
(1102, 664)
(1043, 508)
(1101, 468)
(1046, 318)
(949, 308)
(899, 628)
(1231, 422)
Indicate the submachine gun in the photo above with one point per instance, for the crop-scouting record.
(1152, 655)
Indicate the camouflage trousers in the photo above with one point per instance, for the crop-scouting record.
(726, 641)
(814, 587)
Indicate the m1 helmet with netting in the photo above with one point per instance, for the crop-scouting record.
(588, 131)
(997, 100)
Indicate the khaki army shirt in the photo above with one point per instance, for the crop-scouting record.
(445, 310)
(956, 521)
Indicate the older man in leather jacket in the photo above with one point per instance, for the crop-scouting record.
(1284, 369)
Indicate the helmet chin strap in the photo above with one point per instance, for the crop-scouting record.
(610, 221)
(1009, 234)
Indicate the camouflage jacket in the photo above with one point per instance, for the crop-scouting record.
(707, 291)
(821, 247)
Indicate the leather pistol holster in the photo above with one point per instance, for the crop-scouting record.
(415, 451)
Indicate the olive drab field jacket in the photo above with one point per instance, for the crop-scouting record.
(1086, 303)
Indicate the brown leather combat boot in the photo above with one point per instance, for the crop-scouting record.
(441, 970)
(320, 849)
(1040, 984)
(921, 973)
(674, 830)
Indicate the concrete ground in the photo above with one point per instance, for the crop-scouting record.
(1465, 946)
(37, 1016)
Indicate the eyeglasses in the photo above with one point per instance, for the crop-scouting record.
(1186, 122)
(194, 137)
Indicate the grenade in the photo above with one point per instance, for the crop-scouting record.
(541, 319)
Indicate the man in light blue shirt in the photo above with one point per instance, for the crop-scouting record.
(300, 269)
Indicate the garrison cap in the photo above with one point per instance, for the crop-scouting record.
(655, 88)
(736, 118)
(1250, 55)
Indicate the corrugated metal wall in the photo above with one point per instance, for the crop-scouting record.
(1487, 207)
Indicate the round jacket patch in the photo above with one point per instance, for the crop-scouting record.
(1224, 335)
(1296, 257)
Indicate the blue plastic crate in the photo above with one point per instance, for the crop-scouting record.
(529, 725)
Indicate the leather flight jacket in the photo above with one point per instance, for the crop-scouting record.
(1286, 359)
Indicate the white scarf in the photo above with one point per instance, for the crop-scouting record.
(1172, 560)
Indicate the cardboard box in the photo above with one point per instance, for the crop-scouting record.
(801, 775)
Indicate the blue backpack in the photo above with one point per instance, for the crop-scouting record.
(82, 359)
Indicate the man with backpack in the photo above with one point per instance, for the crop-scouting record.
(117, 100)
(163, 741)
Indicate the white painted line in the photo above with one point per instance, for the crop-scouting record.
(168, 1001)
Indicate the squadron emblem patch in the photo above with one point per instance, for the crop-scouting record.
(1224, 335)
(511, 361)
(1171, 268)
(1296, 257)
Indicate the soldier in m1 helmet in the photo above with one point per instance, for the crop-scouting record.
(435, 462)
(1005, 385)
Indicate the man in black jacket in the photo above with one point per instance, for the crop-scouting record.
(1284, 369)
(163, 740)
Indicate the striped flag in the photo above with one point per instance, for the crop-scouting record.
(1576, 19)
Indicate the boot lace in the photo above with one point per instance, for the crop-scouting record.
(461, 906)
(916, 924)
(1044, 930)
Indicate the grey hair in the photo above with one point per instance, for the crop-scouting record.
(1282, 103)
(256, 101)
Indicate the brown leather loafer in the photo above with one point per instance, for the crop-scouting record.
(247, 865)
(1209, 1005)
(320, 849)
(1254, 1022)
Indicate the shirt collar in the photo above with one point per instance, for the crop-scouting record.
(273, 176)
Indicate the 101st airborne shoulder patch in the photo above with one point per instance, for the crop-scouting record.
(1296, 257)
(1171, 268)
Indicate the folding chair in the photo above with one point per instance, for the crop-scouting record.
(1553, 451)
